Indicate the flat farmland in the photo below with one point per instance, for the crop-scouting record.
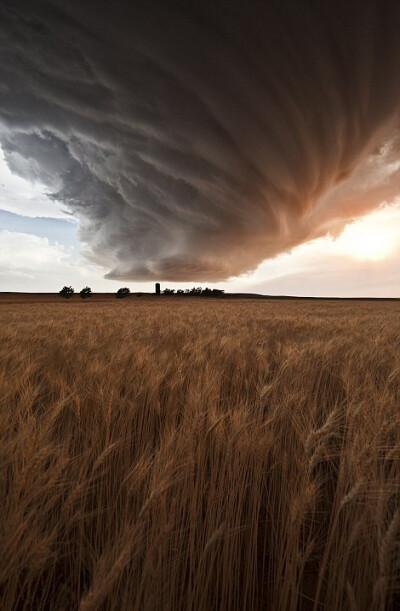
(197, 454)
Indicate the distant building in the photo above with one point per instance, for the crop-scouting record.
(158, 289)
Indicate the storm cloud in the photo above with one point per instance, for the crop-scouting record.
(194, 140)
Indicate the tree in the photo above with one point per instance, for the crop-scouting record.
(196, 290)
(168, 291)
(180, 292)
(66, 292)
(123, 292)
(86, 292)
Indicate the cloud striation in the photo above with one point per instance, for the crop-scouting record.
(193, 140)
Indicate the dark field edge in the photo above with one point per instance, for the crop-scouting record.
(96, 296)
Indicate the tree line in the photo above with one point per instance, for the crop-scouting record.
(67, 292)
(196, 291)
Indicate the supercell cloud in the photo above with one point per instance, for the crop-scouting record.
(192, 140)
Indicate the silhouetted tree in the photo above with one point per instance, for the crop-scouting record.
(86, 292)
(66, 292)
(180, 292)
(122, 292)
(196, 290)
(168, 291)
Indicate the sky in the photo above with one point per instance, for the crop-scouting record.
(253, 147)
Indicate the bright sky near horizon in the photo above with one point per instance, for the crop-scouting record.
(40, 252)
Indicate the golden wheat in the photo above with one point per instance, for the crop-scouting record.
(199, 454)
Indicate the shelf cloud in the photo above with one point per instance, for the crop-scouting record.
(194, 140)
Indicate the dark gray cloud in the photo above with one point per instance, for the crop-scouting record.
(195, 139)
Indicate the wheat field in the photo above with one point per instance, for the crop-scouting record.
(199, 454)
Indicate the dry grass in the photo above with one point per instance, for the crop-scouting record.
(199, 455)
